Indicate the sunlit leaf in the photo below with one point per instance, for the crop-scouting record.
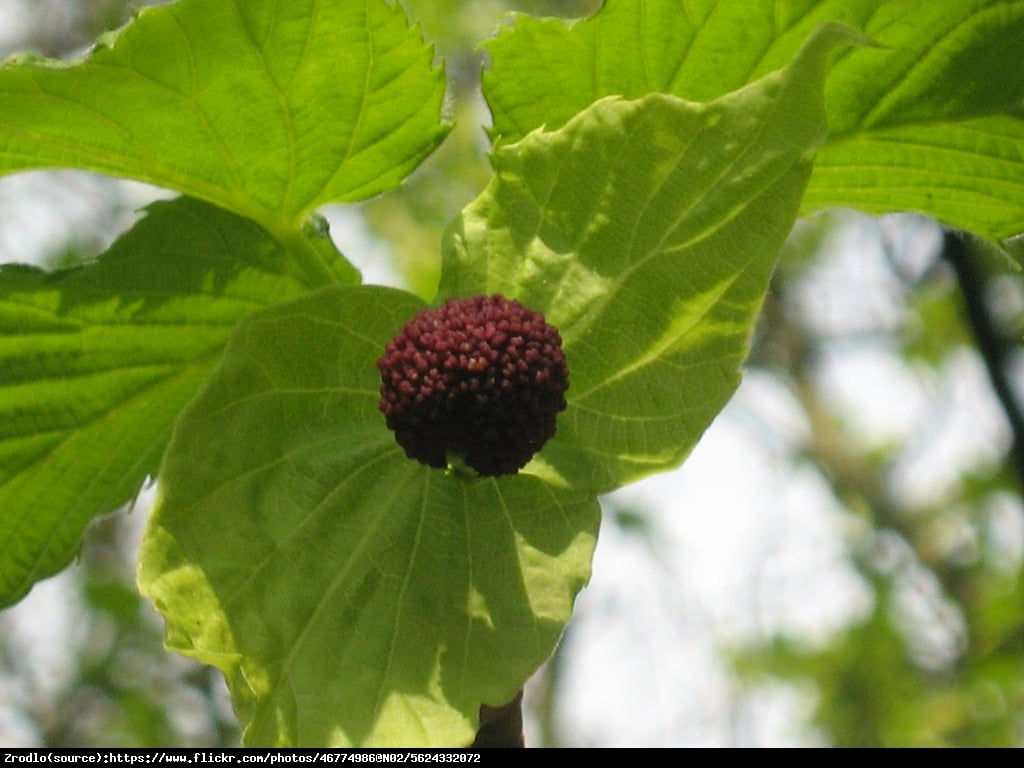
(355, 597)
(269, 109)
(647, 231)
(931, 121)
(96, 362)
(351, 596)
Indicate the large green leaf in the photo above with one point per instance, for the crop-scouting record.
(932, 121)
(354, 597)
(647, 230)
(351, 596)
(96, 362)
(269, 109)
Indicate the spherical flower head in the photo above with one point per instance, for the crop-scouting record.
(479, 380)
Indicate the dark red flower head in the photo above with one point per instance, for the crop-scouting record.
(481, 379)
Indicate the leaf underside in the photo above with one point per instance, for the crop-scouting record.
(353, 597)
(350, 595)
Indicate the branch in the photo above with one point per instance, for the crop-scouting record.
(995, 351)
(501, 726)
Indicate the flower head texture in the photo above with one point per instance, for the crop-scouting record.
(481, 379)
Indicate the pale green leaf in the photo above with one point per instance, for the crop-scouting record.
(646, 231)
(97, 361)
(355, 597)
(931, 121)
(544, 71)
(269, 109)
(350, 595)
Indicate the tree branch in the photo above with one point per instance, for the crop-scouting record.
(501, 726)
(994, 350)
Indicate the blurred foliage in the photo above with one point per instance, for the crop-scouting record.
(938, 657)
(939, 660)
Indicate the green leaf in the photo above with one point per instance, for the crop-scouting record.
(355, 597)
(646, 231)
(929, 122)
(933, 122)
(268, 109)
(351, 596)
(96, 362)
(544, 71)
